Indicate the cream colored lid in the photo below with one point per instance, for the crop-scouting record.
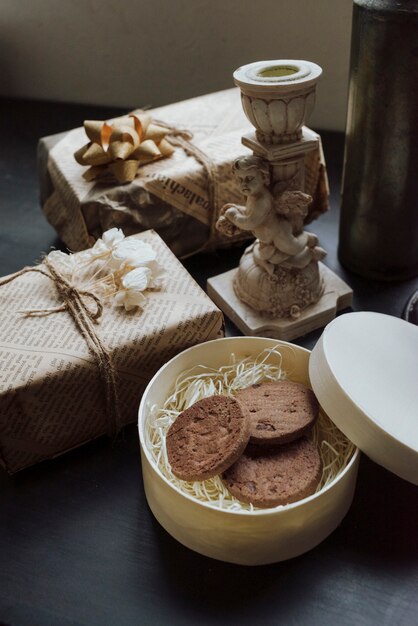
(364, 371)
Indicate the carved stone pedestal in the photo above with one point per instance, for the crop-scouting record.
(287, 161)
(336, 296)
(282, 291)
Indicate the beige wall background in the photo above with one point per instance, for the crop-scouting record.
(132, 53)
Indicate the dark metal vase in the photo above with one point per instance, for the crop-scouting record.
(379, 212)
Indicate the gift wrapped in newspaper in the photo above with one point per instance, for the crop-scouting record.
(82, 334)
(171, 174)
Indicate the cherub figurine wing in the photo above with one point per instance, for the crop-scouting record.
(294, 206)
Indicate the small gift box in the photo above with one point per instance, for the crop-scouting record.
(82, 334)
(169, 170)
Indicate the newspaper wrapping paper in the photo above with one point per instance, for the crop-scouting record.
(169, 195)
(51, 398)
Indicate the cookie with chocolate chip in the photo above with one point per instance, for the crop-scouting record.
(207, 438)
(278, 476)
(279, 411)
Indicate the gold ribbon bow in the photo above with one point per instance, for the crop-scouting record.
(117, 150)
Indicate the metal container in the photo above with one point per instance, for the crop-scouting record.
(379, 212)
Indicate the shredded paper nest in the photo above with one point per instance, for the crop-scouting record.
(200, 382)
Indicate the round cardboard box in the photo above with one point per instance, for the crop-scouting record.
(244, 537)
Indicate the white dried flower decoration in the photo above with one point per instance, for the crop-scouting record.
(122, 268)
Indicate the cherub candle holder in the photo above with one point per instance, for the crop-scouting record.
(278, 274)
(280, 288)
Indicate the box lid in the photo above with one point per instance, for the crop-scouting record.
(364, 371)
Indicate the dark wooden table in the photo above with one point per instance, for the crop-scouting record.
(78, 544)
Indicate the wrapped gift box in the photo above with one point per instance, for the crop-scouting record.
(170, 195)
(51, 394)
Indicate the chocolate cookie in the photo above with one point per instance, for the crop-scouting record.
(207, 438)
(279, 411)
(287, 474)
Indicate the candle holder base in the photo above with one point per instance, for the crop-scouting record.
(336, 297)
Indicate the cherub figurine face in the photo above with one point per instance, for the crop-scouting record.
(252, 175)
(251, 181)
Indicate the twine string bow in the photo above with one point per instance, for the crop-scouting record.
(75, 302)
